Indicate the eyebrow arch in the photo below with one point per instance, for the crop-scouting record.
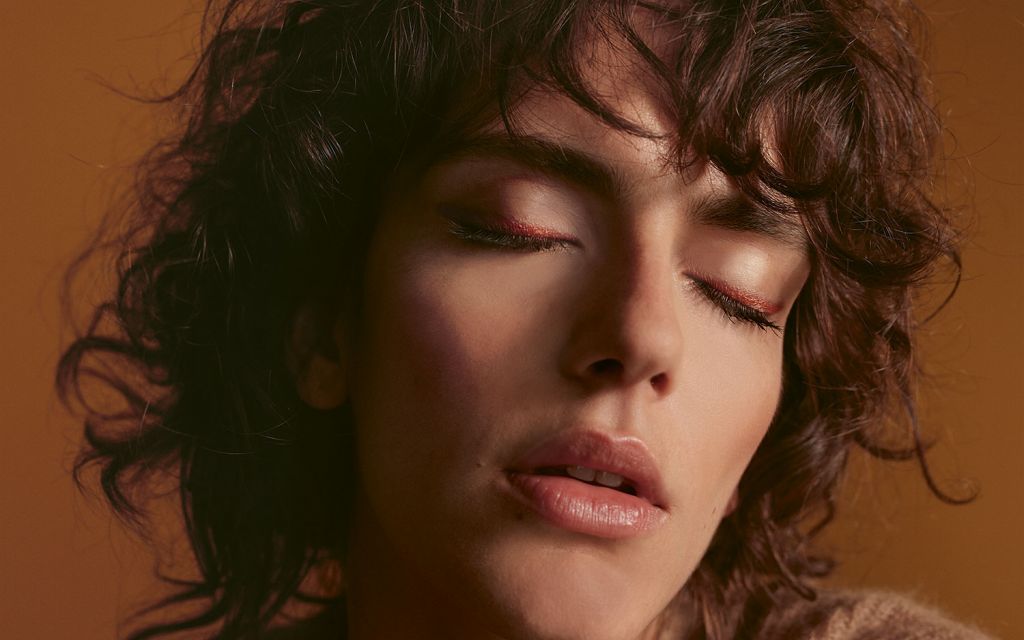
(736, 212)
(733, 211)
(546, 157)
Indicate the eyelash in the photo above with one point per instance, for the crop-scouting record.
(735, 310)
(494, 238)
(497, 238)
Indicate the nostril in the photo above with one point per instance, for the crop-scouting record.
(659, 382)
(607, 367)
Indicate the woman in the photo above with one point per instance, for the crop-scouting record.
(524, 319)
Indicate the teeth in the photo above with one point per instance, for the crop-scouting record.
(609, 479)
(582, 473)
(587, 474)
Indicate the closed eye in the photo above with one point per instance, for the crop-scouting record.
(501, 239)
(734, 309)
(495, 238)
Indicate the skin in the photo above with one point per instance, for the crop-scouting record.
(470, 354)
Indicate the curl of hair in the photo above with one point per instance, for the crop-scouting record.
(299, 113)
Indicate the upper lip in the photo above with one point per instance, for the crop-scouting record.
(627, 456)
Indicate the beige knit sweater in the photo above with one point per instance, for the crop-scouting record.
(867, 615)
(833, 615)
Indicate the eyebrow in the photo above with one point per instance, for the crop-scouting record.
(737, 212)
(734, 211)
(546, 157)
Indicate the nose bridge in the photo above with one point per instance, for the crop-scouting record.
(628, 331)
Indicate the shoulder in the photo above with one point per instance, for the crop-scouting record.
(863, 615)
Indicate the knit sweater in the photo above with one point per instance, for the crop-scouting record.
(833, 615)
(865, 615)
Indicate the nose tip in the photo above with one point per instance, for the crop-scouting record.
(627, 333)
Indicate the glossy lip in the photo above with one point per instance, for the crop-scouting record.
(589, 509)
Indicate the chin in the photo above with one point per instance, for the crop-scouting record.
(574, 617)
(564, 593)
(571, 620)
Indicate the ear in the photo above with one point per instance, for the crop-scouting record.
(317, 360)
(323, 384)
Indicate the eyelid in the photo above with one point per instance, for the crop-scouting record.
(497, 238)
(745, 298)
(469, 216)
(724, 298)
(465, 221)
(518, 228)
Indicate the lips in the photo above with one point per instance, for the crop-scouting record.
(593, 483)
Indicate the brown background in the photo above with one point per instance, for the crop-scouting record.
(66, 142)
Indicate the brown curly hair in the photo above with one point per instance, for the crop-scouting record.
(298, 114)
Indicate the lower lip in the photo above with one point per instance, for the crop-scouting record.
(584, 508)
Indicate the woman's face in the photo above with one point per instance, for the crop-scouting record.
(544, 320)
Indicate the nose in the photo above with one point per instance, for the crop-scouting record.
(627, 331)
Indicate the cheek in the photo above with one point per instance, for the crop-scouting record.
(730, 391)
(438, 344)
